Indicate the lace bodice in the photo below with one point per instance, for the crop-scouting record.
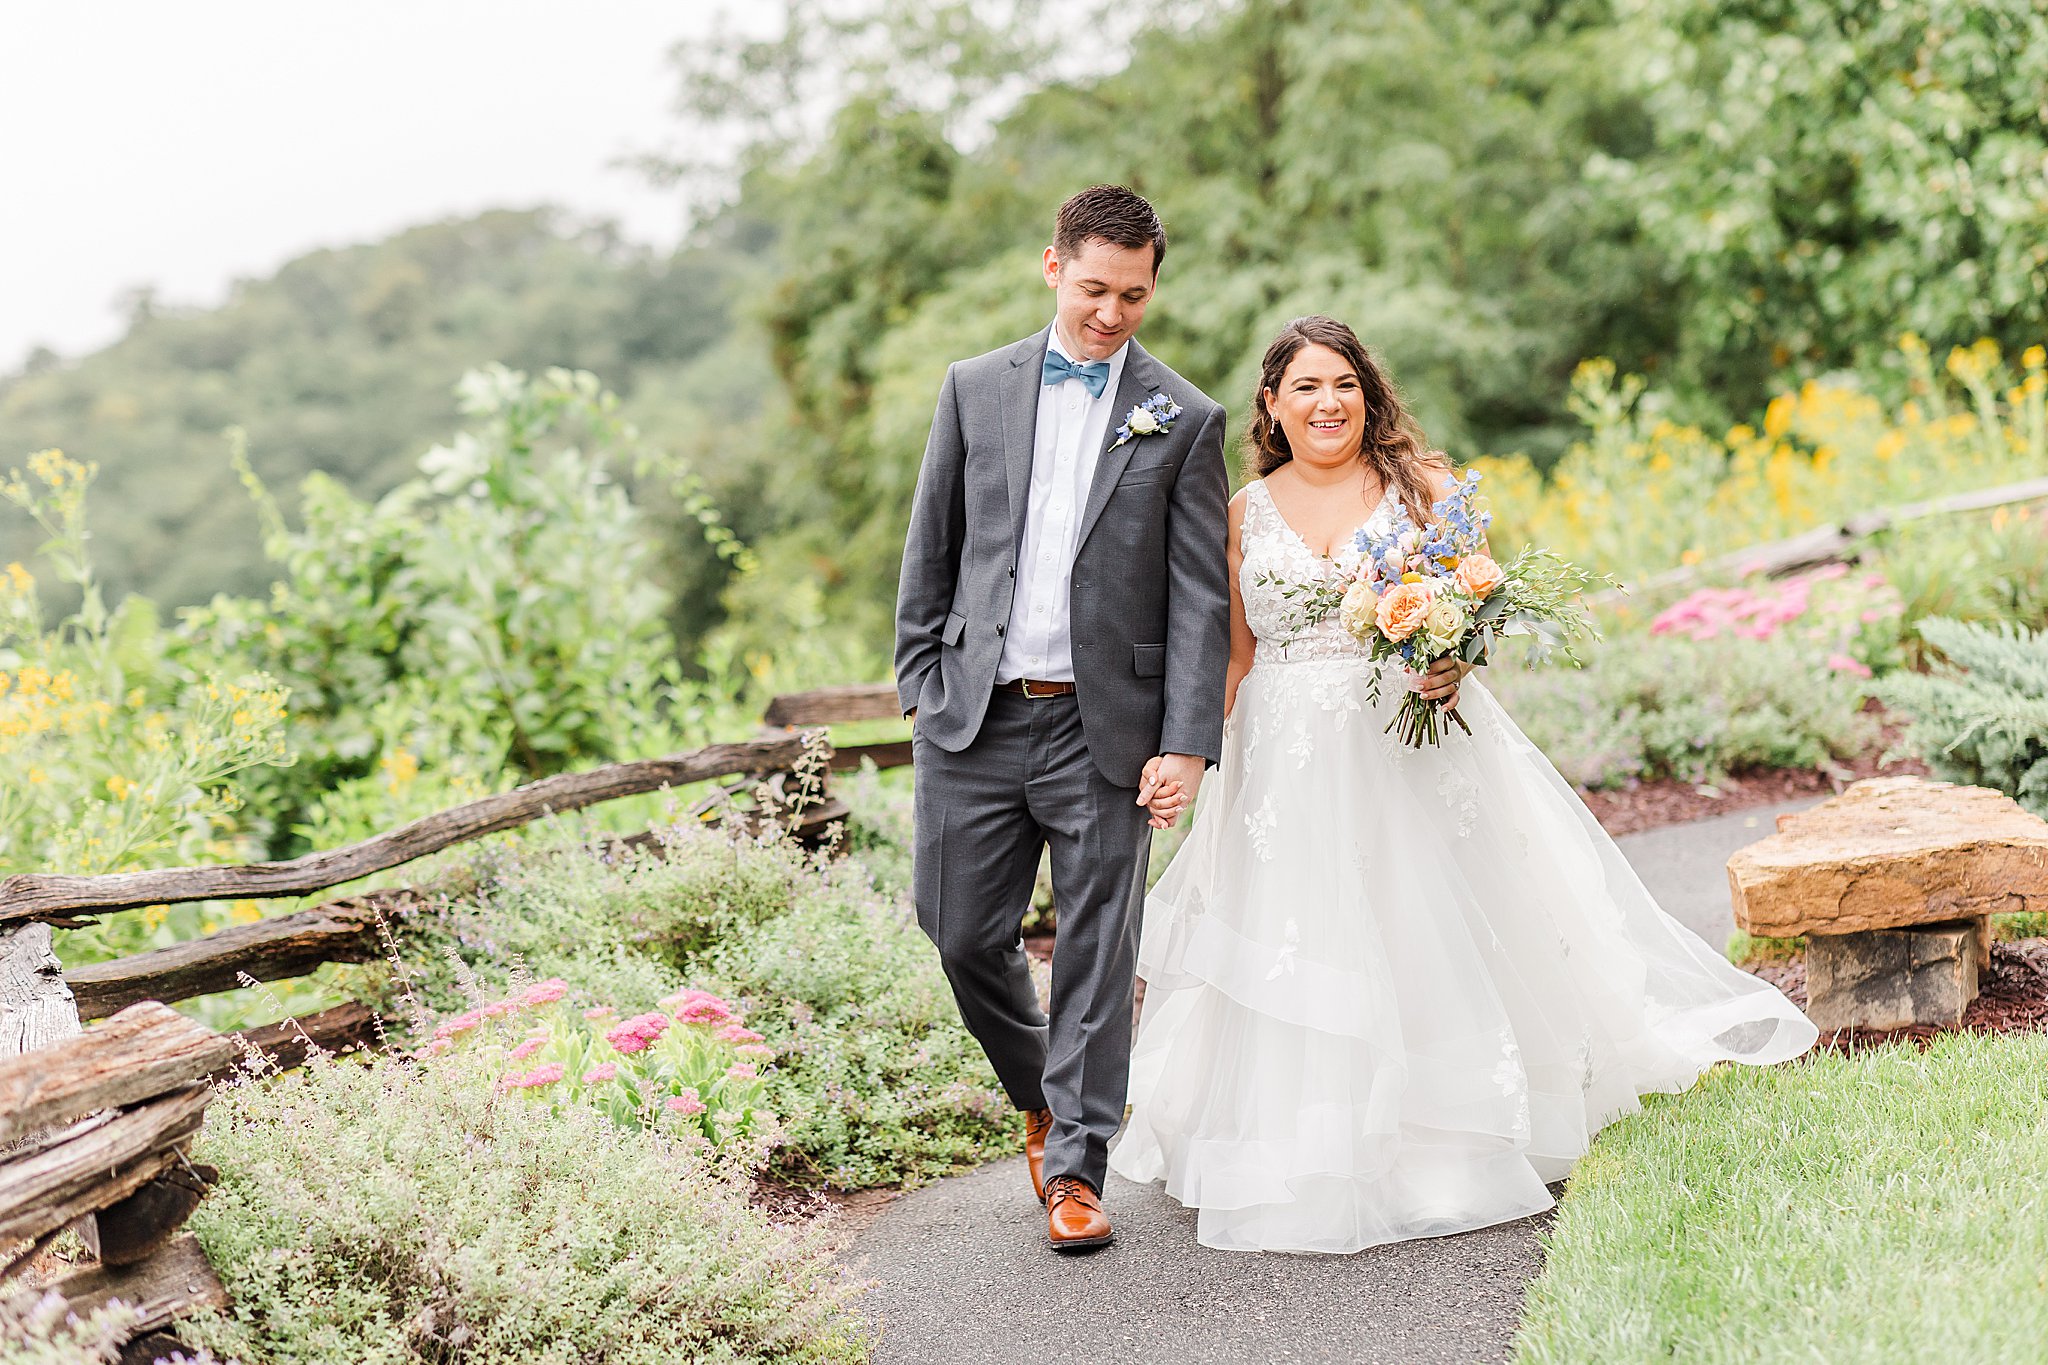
(1275, 554)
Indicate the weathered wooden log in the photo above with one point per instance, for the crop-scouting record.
(170, 1284)
(142, 1224)
(344, 1028)
(892, 755)
(96, 1167)
(29, 895)
(267, 949)
(145, 1050)
(832, 705)
(1835, 542)
(36, 1008)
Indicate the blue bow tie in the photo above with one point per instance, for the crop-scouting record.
(1095, 373)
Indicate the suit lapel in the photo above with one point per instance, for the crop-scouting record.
(1020, 425)
(1138, 383)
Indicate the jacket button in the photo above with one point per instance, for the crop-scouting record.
(999, 630)
(1013, 571)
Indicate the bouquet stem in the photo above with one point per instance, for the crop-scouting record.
(1417, 722)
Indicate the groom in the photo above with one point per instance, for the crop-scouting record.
(1062, 633)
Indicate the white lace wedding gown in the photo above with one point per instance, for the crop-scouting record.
(1390, 992)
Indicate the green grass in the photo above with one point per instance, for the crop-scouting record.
(1888, 1207)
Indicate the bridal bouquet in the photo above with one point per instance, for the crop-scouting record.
(1421, 594)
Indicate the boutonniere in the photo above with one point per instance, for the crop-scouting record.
(1153, 417)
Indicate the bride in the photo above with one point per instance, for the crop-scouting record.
(1390, 992)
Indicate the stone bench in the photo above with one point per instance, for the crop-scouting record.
(1893, 883)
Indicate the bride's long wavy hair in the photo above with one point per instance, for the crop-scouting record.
(1393, 446)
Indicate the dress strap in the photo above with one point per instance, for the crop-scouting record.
(1259, 511)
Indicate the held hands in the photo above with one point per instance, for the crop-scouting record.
(1168, 787)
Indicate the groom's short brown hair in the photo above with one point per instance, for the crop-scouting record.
(1117, 215)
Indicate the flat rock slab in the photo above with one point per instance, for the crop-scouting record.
(1891, 852)
(965, 1277)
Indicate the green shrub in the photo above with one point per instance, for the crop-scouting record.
(1650, 706)
(393, 1213)
(876, 1080)
(1981, 715)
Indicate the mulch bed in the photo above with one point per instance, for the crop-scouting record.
(2012, 998)
(1670, 801)
(850, 1210)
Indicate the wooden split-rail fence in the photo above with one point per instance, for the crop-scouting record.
(97, 1125)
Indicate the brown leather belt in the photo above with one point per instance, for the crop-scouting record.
(1037, 691)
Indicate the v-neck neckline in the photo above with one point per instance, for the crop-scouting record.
(1288, 526)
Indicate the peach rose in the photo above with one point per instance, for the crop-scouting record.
(1401, 610)
(1478, 575)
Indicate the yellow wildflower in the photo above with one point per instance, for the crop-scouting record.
(400, 766)
(38, 776)
(2034, 357)
(153, 916)
(21, 580)
(1778, 416)
(119, 786)
(245, 912)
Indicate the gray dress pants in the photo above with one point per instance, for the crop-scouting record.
(983, 815)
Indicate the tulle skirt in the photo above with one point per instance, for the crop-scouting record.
(1392, 992)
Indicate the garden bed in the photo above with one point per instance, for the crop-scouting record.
(1641, 806)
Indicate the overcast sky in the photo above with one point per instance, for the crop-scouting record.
(186, 145)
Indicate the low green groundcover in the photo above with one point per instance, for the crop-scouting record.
(1891, 1206)
(395, 1213)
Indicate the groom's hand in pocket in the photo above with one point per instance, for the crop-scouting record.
(1167, 789)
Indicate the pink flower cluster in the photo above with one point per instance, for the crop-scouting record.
(699, 1007)
(1750, 613)
(546, 1074)
(638, 1033)
(1761, 613)
(603, 1071)
(687, 1103)
(544, 992)
(533, 997)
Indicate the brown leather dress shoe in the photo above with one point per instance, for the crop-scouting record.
(1037, 1123)
(1074, 1217)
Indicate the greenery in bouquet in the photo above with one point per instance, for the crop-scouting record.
(1423, 593)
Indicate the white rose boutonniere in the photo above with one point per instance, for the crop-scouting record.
(1153, 417)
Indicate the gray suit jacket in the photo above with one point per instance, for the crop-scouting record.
(1150, 598)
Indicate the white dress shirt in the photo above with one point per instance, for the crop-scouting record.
(1038, 642)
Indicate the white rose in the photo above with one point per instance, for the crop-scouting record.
(1143, 423)
(1360, 603)
(1444, 621)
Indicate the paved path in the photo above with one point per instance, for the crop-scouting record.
(966, 1278)
(1686, 866)
(964, 1275)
